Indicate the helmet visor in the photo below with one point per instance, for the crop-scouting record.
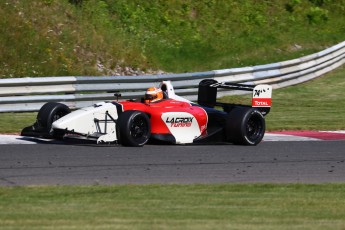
(150, 96)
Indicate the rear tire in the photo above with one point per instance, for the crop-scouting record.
(245, 126)
(134, 128)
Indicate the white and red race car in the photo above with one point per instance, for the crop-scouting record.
(173, 120)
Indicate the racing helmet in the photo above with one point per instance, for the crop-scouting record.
(153, 94)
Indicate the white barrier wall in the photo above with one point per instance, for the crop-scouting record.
(29, 94)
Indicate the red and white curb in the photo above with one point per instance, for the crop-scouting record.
(305, 136)
(269, 136)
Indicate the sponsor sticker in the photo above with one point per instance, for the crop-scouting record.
(179, 121)
(182, 125)
(262, 96)
(261, 102)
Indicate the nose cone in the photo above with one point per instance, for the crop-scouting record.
(86, 120)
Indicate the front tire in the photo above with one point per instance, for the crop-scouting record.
(245, 126)
(134, 128)
(49, 113)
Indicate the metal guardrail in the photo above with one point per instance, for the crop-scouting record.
(29, 94)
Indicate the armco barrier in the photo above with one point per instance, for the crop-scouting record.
(29, 94)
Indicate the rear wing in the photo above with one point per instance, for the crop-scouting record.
(261, 94)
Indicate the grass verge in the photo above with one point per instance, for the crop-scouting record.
(103, 37)
(227, 206)
(15, 122)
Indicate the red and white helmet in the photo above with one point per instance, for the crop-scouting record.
(153, 94)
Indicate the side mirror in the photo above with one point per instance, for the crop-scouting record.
(117, 95)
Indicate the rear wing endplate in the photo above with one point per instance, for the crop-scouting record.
(207, 93)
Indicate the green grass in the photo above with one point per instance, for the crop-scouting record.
(58, 38)
(227, 206)
(315, 105)
(15, 122)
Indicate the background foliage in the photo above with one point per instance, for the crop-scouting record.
(95, 37)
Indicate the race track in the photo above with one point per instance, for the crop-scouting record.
(53, 163)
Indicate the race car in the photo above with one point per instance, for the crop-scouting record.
(161, 116)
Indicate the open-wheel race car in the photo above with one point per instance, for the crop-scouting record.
(161, 116)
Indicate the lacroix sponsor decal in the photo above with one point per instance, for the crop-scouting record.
(183, 126)
(179, 121)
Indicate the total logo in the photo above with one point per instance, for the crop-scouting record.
(179, 121)
(261, 102)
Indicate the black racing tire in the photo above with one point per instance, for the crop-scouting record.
(49, 113)
(245, 126)
(133, 128)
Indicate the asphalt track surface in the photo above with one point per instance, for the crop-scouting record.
(54, 163)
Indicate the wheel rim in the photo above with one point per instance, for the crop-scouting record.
(254, 128)
(139, 129)
(58, 115)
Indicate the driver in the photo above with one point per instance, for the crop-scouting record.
(153, 94)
